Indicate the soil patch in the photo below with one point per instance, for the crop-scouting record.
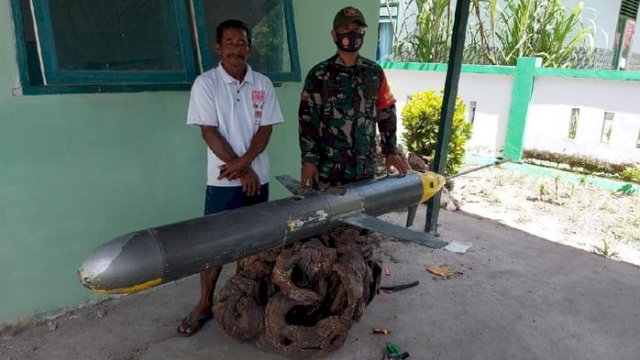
(578, 214)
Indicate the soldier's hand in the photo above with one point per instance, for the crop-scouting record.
(397, 162)
(250, 183)
(308, 175)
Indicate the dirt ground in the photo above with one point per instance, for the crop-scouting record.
(578, 214)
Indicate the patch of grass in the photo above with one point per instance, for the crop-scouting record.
(494, 200)
(545, 196)
(556, 182)
(605, 206)
(583, 180)
(626, 230)
(604, 250)
(523, 218)
(572, 189)
(484, 192)
(542, 190)
(574, 218)
(632, 173)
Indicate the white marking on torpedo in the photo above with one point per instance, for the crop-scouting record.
(296, 224)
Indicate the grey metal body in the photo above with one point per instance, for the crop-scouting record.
(170, 252)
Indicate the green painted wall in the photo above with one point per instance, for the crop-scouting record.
(77, 170)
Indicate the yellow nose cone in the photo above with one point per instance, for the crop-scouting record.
(431, 184)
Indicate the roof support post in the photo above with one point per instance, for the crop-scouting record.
(448, 106)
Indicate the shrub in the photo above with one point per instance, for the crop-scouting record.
(421, 119)
(632, 173)
(585, 164)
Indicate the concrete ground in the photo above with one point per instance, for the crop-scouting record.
(520, 297)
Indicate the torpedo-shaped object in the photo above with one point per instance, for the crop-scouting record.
(146, 258)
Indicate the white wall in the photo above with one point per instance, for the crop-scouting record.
(492, 94)
(550, 112)
(547, 126)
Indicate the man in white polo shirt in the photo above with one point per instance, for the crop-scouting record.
(235, 108)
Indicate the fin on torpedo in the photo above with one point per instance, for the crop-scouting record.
(291, 184)
(399, 232)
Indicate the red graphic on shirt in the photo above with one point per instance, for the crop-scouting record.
(385, 97)
(257, 97)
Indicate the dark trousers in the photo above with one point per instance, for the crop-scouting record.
(221, 198)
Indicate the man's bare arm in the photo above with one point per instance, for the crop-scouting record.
(238, 166)
(217, 143)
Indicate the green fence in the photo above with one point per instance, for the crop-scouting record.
(524, 73)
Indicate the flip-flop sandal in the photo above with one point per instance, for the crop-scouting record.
(195, 324)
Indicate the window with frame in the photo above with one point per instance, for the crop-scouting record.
(131, 45)
(573, 123)
(388, 16)
(607, 127)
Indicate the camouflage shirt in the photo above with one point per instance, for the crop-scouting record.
(339, 109)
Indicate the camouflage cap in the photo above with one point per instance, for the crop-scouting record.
(348, 15)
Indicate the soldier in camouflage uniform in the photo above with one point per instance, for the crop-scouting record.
(343, 99)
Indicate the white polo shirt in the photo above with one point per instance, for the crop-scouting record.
(237, 110)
